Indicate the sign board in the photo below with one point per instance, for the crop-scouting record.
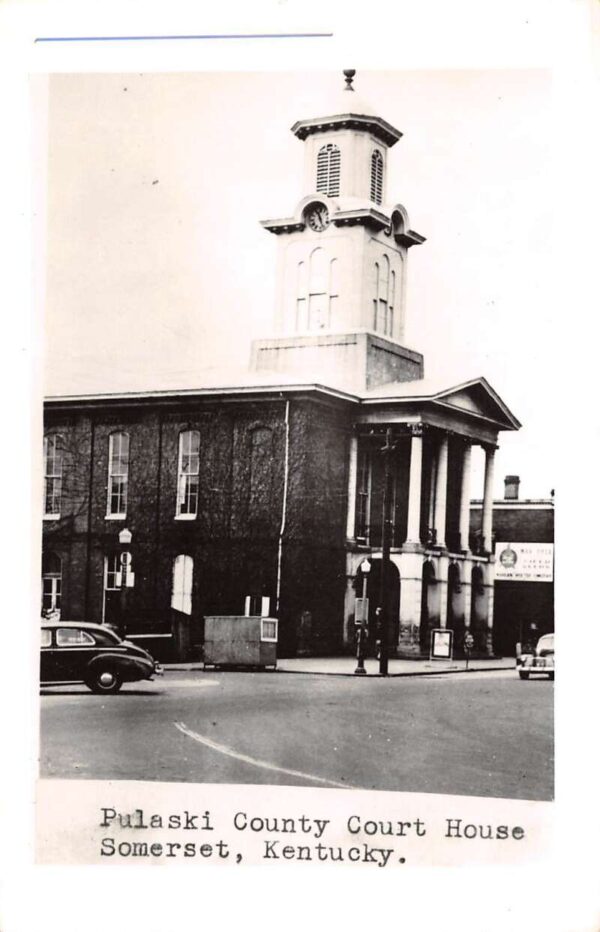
(441, 644)
(525, 562)
(361, 610)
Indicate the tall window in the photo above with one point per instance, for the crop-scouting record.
(317, 295)
(376, 176)
(188, 474)
(363, 495)
(51, 583)
(181, 594)
(52, 476)
(301, 299)
(318, 302)
(328, 170)
(334, 289)
(384, 297)
(118, 472)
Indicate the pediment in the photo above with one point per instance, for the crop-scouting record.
(478, 398)
(475, 398)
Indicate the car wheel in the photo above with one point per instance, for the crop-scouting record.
(104, 680)
(524, 675)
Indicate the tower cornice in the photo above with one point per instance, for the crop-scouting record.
(381, 129)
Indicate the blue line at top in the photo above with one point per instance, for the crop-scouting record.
(250, 35)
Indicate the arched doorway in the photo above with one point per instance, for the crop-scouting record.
(478, 608)
(374, 595)
(430, 605)
(456, 605)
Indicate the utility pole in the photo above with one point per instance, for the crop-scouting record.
(385, 552)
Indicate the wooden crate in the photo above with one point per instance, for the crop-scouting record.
(240, 640)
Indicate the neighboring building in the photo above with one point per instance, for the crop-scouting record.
(523, 532)
(268, 485)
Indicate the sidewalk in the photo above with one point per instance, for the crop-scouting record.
(345, 666)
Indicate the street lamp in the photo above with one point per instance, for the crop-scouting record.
(125, 537)
(365, 568)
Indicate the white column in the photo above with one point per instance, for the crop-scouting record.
(488, 498)
(441, 491)
(352, 469)
(465, 498)
(414, 488)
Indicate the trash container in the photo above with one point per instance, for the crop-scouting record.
(240, 640)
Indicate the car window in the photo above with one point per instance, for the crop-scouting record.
(46, 638)
(73, 637)
(106, 638)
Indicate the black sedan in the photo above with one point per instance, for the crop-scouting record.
(77, 651)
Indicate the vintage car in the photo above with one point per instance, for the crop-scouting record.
(541, 660)
(78, 651)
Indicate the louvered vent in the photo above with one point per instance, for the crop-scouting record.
(377, 176)
(328, 170)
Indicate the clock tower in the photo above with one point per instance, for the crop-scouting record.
(341, 277)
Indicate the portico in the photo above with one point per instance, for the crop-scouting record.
(444, 578)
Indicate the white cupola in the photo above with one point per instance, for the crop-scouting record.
(342, 254)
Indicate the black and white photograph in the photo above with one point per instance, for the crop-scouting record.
(295, 527)
(307, 482)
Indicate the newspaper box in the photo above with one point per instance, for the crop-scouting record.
(240, 640)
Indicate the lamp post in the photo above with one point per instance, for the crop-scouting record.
(361, 635)
(385, 553)
(125, 537)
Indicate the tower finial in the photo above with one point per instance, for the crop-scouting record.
(349, 74)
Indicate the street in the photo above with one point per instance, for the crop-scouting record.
(479, 734)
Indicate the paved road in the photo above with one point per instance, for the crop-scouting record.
(481, 734)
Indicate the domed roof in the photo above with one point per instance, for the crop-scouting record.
(345, 108)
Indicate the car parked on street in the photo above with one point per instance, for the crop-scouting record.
(541, 660)
(78, 651)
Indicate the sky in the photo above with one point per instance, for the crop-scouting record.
(157, 264)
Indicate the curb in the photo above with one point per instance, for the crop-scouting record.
(200, 669)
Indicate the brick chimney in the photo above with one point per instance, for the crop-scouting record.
(511, 488)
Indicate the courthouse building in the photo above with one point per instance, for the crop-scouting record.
(262, 490)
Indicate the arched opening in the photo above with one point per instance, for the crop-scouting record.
(478, 608)
(430, 605)
(456, 605)
(376, 176)
(328, 170)
(393, 585)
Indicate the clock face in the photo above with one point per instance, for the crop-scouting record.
(317, 217)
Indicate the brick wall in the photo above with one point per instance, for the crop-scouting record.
(234, 539)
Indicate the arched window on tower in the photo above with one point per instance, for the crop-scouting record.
(391, 305)
(318, 309)
(301, 297)
(334, 289)
(376, 176)
(328, 170)
(384, 297)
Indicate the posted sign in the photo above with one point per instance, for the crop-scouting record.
(525, 562)
(441, 644)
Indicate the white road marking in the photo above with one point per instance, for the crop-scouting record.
(223, 749)
(196, 684)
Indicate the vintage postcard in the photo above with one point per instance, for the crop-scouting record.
(295, 584)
